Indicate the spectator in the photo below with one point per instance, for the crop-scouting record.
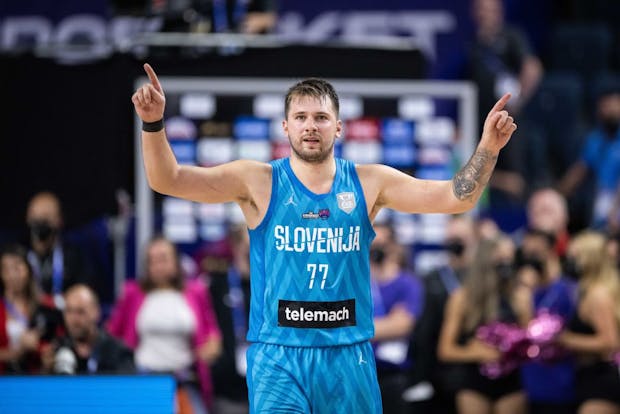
(86, 349)
(170, 323)
(460, 243)
(397, 302)
(501, 60)
(26, 325)
(56, 264)
(600, 155)
(594, 332)
(230, 290)
(550, 384)
(489, 294)
(547, 211)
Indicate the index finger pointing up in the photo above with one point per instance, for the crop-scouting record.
(499, 105)
(153, 77)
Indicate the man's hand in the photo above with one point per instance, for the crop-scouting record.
(498, 127)
(149, 100)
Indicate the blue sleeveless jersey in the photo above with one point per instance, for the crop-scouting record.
(309, 261)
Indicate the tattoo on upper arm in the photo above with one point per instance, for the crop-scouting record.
(471, 179)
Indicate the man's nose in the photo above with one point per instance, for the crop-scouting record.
(310, 125)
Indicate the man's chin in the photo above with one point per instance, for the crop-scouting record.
(315, 156)
(79, 336)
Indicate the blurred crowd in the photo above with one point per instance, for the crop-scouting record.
(451, 340)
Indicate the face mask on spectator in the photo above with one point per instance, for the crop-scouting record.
(377, 255)
(533, 261)
(455, 247)
(42, 230)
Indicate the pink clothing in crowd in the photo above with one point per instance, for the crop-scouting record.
(123, 321)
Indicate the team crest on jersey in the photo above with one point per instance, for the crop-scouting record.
(346, 201)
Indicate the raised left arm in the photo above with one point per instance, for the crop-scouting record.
(399, 191)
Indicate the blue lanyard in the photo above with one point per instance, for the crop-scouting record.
(237, 303)
(57, 268)
(92, 364)
(16, 314)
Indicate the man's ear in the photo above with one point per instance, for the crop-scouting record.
(338, 128)
(285, 127)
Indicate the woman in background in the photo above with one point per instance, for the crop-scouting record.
(170, 324)
(26, 325)
(594, 333)
(488, 295)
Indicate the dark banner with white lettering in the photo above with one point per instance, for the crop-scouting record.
(72, 31)
(440, 28)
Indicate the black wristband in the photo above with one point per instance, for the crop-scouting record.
(153, 126)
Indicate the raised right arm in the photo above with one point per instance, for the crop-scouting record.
(224, 183)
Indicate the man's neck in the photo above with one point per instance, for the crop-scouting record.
(317, 177)
(43, 249)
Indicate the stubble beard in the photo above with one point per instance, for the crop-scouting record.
(313, 157)
(80, 335)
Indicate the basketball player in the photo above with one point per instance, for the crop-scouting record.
(310, 224)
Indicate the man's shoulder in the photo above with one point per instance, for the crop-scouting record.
(109, 343)
(252, 167)
(367, 172)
